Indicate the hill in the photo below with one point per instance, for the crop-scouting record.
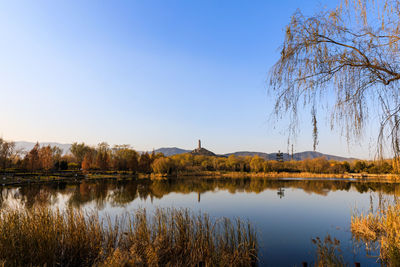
(170, 151)
(203, 152)
(296, 156)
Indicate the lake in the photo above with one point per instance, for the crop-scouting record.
(287, 213)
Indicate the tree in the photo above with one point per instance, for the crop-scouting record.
(7, 151)
(79, 151)
(163, 165)
(125, 158)
(63, 165)
(103, 156)
(256, 164)
(87, 162)
(145, 163)
(320, 165)
(360, 166)
(349, 54)
(32, 158)
(132, 160)
(89, 159)
(233, 163)
(46, 158)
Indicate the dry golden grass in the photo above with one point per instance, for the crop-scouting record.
(328, 252)
(366, 226)
(382, 226)
(169, 237)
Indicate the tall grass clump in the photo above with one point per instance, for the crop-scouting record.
(168, 237)
(328, 252)
(382, 226)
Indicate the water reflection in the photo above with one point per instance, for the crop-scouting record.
(120, 193)
(289, 213)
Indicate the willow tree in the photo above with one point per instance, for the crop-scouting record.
(348, 56)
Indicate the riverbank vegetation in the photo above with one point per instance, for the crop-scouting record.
(40, 236)
(383, 227)
(103, 158)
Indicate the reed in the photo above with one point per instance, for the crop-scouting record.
(328, 252)
(382, 226)
(168, 237)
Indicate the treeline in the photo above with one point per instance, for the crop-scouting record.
(124, 158)
(188, 162)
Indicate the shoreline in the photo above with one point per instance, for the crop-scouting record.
(14, 178)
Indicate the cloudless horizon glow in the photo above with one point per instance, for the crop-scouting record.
(151, 74)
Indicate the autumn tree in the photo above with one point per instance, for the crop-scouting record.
(256, 164)
(155, 155)
(145, 163)
(360, 166)
(46, 159)
(7, 152)
(349, 57)
(320, 165)
(124, 158)
(89, 159)
(103, 156)
(32, 158)
(184, 161)
(87, 162)
(220, 164)
(163, 165)
(132, 158)
(233, 163)
(79, 151)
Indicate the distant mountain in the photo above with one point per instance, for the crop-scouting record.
(296, 156)
(314, 154)
(27, 146)
(170, 151)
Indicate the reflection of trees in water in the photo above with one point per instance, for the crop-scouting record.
(86, 192)
(30, 195)
(124, 193)
(5, 194)
(119, 193)
(38, 194)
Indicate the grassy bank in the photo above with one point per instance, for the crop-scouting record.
(169, 237)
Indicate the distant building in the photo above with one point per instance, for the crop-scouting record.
(202, 151)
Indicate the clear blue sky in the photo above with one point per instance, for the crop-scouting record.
(149, 73)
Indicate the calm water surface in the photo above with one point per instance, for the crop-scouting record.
(287, 213)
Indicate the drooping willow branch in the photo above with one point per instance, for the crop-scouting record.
(349, 55)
